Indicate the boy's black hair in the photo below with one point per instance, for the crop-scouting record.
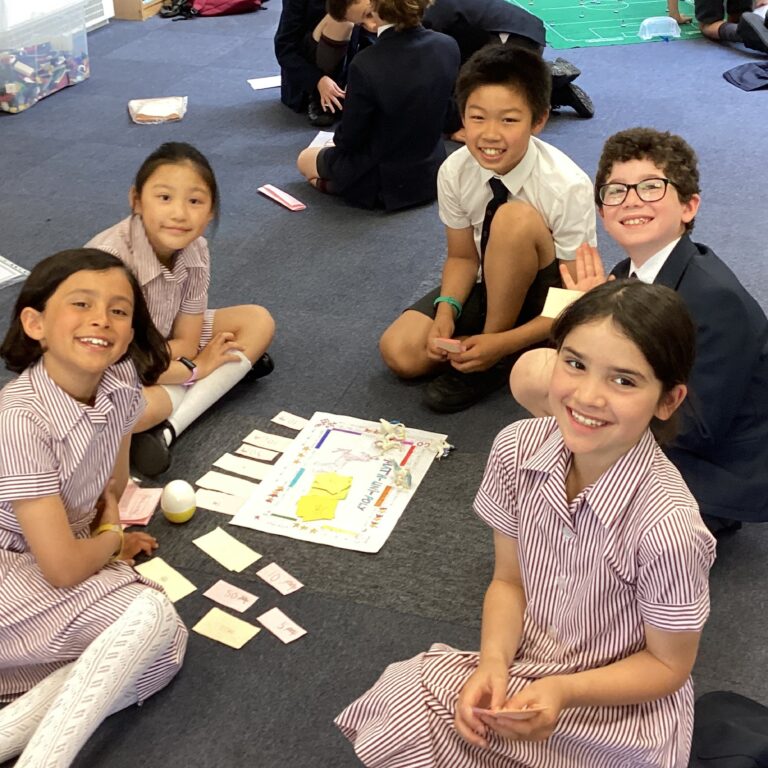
(670, 153)
(404, 14)
(517, 68)
(177, 153)
(337, 9)
(148, 349)
(654, 318)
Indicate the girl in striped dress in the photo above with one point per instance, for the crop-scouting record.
(599, 594)
(82, 635)
(174, 198)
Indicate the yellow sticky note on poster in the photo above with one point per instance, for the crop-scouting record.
(332, 485)
(220, 626)
(310, 508)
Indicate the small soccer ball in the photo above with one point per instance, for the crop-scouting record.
(178, 501)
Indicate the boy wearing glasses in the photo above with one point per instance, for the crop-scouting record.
(647, 194)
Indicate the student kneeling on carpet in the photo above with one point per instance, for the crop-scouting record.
(502, 255)
(647, 192)
(389, 145)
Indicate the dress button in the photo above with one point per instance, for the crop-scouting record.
(568, 534)
(561, 582)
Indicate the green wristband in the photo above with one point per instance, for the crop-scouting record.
(455, 303)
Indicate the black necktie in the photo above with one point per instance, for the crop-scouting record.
(500, 196)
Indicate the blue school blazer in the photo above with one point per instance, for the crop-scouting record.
(722, 448)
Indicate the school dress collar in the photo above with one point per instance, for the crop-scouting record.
(515, 179)
(611, 494)
(65, 412)
(148, 267)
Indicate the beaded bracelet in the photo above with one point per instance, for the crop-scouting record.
(455, 303)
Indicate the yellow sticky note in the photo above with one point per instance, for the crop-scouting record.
(310, 508)
(227, 550)
(227, 629)
(332, 485)
(175, 585)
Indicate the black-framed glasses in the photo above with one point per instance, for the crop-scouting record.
(648, 190)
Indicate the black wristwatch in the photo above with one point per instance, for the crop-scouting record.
(189, 364)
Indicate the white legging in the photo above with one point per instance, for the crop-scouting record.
(54, 719)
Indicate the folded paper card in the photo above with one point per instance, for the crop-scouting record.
(226, 629)
(280, 579)
(290, 202)
(216, 501)
(227, 550)
(230, 596)
(269, 441)
(175, 585)
(281, 626)
(256, 470)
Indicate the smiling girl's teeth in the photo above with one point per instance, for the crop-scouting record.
(579, 419)
(97, 342)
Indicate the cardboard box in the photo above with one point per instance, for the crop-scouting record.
(136, 10)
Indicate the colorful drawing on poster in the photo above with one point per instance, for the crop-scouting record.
(343, 482)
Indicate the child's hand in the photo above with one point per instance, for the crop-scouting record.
(546, 692)
(480, 353)
(442, 328)
(590, 271)
(218, 351)
(330, 94)
(136, 542)
(487, 688)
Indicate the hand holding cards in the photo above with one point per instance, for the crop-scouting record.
(449, 345)
(509, 714)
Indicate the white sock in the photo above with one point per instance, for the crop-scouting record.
(20, 718)
(207, 391)
(102, 681)
(176, 394)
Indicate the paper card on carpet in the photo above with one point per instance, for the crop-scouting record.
(269, 441)
(282, 197)
(290, 420)
(256, 470)
(226, 629)
(230, 596)
(281, 626)
(137, 505)
(261, 83)
(175, 585)
(234, 486)
(260, 454)
(216, 501)
(323, 139)
(280, 579)
(227, 550)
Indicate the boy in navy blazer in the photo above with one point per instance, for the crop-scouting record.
(389, 145)
(647, 193)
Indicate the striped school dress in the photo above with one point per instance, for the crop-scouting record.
(50, 444)
(184, 288)
(629, 549)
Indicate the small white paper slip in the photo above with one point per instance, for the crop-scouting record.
(227, 550)
(323, 139)
(256, 470)
(266, 440)
(217, 501)
(226, 629)
(175, 585)
(281, 626)
(281, 580)
(234, 486)
(557, 300)
(229, 595)
(260, 83)
(290, 420)
(279, 196)
(262, 454)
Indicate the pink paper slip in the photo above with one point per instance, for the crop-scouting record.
(509, 714)
(137, 505)
(281, 626)
(290, 202)
(281, 580)
(231, 596)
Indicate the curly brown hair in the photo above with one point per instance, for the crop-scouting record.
(404, 14)
(668, 152)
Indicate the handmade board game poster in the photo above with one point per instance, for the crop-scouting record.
(342, 481)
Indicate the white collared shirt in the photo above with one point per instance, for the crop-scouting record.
(383, 28)
(649, 270)
(546, 178)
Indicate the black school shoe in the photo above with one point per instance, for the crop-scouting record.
(150, 453)
(262, 367)
(319, 117)
(454, 391)
(753, 32)
(573, 96)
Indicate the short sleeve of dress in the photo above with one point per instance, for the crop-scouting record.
(194, 300)
(129, 399)
(29, 468)
(496, 501)
(674, 559)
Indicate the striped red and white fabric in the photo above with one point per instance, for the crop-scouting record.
(50, 444)
(628, 550)
(167, 292)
